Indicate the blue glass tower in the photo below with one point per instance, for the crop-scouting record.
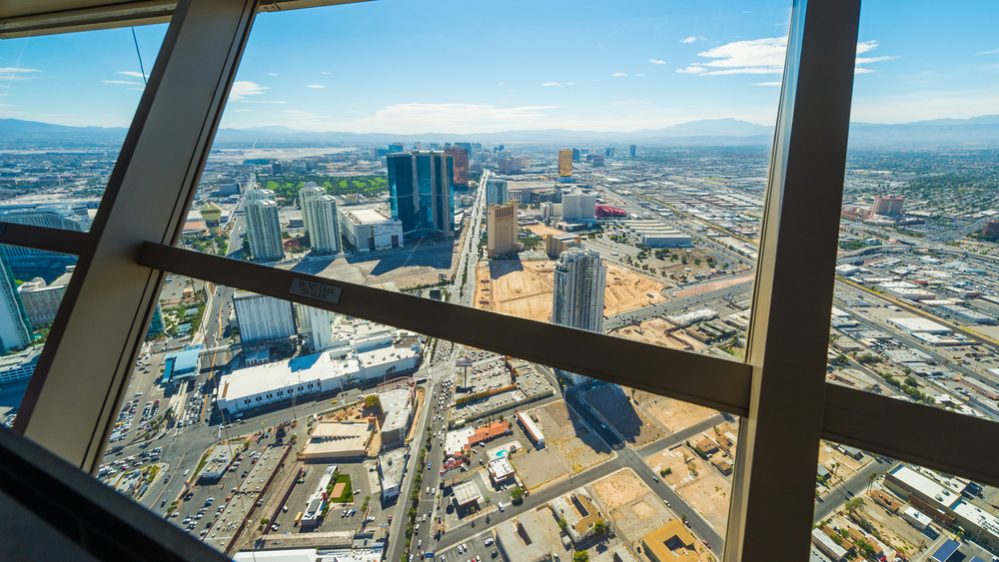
(421, 190)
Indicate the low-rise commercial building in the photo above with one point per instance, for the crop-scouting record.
(219, 459)
(518, 539)
(182, 365)
(316, 504)
(397, 414)
(261, 386)
(369, 228)
(347, 440)
(500, 470)
(672, 542)
(391, 471)
(532, 429)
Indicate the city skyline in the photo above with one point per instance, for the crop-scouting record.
(589, 68)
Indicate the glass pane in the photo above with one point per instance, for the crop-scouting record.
(611, 179)
(916, 299)
(66, 102)
(32, 284)
(253, 422)
(876, 508)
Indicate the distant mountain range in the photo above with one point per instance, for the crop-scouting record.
(974, 132)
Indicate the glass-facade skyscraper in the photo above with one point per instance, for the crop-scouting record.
(421, 191)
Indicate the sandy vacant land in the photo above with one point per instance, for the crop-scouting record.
(514, 287)
(697, 482)
(628, 290)
(713, 286)
(659, 332)
(672, 414)
(634, 509)
(524, 289)
(616, 406)
(847, 466)
(541, 230)
(571, 448)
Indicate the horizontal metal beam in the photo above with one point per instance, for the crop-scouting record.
(924, 435)
(39, 238)
(709, 381)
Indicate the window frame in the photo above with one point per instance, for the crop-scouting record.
(81, 377)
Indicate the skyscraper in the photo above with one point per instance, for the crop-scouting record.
(565, 163)
(259, 194)
(460, 157)
(320, 218)
(496, 192)
(320, 323)
(263, 230)
(575, 155)
(14, 333)
(633, 150)
(578, 207)
(501, 230)
(578, 298)
(310, 190)
(420, 190)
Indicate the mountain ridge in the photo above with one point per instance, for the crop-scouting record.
(974, 131)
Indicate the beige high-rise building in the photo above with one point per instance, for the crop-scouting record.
(565, 163)
(501, 229)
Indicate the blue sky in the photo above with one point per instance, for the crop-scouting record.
(410, 66)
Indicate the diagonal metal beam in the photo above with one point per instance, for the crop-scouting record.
(709, 381)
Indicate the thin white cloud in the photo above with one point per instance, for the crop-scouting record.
(619, 74)
(767, 84)
(691, 39)
(266, 102)
(762, 56)
(657, 61)
(692, 69)
(12, 73)
(987, 53)
(501, 84)
(324, 73)
(133, 74)
(316, 86)
(243, 110)
(243, 88)
(755, 56)
(273, 74)
(551, 84)
(866, 46)
(123, 82)
(640, 75)
(17, 70)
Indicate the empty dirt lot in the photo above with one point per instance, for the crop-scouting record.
(659, 332)
(616, 406)
(671, 413)
(697, 482)
(524, 289)
(634, 509)
(571, 448)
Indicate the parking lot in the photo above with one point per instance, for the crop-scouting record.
(479, 548)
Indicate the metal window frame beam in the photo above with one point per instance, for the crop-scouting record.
(714, 382)
(773, 493)
(83, 372)
(924, 435)
(41, 238)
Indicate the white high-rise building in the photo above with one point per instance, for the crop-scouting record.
(578, 207)
(261, 318)
(263, 229)
(320, 327)
(258, 194)
(496, 192)
(14, 333)
(311, 190)
(578, 298)
(320, 218)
